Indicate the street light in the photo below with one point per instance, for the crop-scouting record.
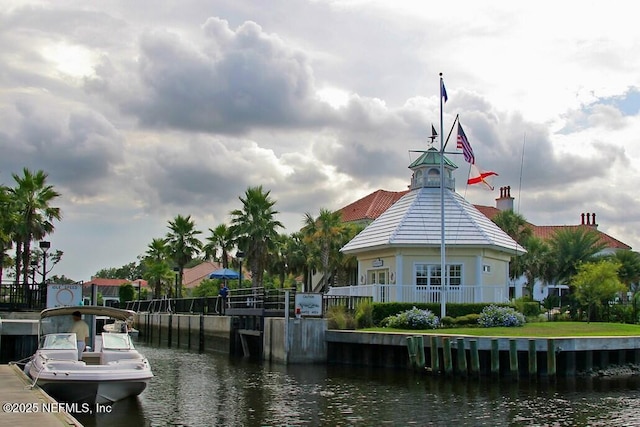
(240, 256)
(44, 245)
(176, 270)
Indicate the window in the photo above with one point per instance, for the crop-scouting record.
(378, 276)
(486, 268)
(430, 274)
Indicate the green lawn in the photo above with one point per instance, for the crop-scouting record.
(539, 329)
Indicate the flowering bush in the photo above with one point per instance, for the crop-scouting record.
(493, 316)
(413, 319)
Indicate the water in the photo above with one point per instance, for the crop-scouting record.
(191, 389)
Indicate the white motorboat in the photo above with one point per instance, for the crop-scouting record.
(112, 371)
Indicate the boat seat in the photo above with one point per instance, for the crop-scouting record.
(61, 354)
(91, 357)
(110, 356)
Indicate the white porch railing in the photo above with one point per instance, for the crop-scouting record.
(424, 294)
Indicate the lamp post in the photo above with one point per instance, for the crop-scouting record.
(176, 270)
(44, 245)
(240, 256)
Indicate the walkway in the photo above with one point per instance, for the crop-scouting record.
(24, 406)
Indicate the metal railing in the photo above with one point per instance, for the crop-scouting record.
(424, 294)
(22, 296)
(240, 301)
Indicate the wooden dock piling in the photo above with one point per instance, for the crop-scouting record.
(419, 348)
(462, 357)
(513, 358)
(446, 350)
(551, 358)
(495, 357)
(435, 357)
(533, 359)
(475, 357)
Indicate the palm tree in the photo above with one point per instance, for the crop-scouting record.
(7, 225)
(570, 247)
(347, 265)
(254, 227)
(629, 274)
(183, 243)
(514, 224)
(158, 270)
(220, 240)
(32, 198)
(325, 233)
(298, 256)
(534, 263)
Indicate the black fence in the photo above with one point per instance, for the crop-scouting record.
(255, 301)
(22, 296)
(246, 301)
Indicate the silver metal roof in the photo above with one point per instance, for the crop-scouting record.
(414, 220)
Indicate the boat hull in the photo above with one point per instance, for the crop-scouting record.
(92, 392)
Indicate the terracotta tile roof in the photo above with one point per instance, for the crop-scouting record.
(99, 281)
(191, 277)
(547, 231)
(372, 206)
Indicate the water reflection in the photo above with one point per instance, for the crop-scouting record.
(192, 389)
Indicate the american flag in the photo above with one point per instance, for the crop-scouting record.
(463, 143)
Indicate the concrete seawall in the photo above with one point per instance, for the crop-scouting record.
(305, 343)
(307, 340)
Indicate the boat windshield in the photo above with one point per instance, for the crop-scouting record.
(114, 341)
(60, 342)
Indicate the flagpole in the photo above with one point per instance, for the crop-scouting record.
(443, 275)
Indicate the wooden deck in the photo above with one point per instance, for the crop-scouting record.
(25, 406)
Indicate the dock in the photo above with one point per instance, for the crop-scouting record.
(26, 406)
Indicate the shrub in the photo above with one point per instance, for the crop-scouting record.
(469, 319)
(447, 321)
(493, 316)
(413, 319)
(382, 310)
(338, 318)
(364, 314)
(620, 313)
(527, 307)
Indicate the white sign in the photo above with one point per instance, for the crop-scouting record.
(63, 295)
(377, 263)
(309, 304)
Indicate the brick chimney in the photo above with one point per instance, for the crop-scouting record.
(505, 201)
(590, 219)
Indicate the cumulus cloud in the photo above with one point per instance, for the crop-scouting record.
(146, 111)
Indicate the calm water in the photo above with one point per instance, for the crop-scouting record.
(191, 389)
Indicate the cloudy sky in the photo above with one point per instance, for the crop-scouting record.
(142, 110)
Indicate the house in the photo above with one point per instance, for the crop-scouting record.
(399, 252)
(109, 288)
(545, 232)
(192, 277)
(371, 207)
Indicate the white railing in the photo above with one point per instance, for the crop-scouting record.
(424, 294)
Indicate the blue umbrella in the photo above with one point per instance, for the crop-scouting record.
(224, 273)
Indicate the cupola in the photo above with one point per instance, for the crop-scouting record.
(426, 171)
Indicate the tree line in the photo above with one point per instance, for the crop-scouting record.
(572, 256)
(272, 258)
(27, 215)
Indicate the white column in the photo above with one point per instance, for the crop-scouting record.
(478, 291)
(399, 276)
